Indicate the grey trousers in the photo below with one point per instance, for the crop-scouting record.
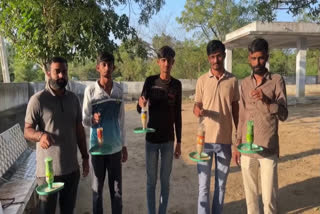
(67, 196)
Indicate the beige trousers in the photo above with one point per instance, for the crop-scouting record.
(269, 183)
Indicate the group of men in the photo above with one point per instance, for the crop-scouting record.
(54, 119)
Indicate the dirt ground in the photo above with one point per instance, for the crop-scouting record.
(299, 168)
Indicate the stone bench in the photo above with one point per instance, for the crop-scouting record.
(17, 171)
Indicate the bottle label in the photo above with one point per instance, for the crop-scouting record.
(249, 135)
(49, 170)
(200, 140)
(100, 135)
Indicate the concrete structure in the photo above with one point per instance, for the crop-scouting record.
(14, 95)
(309, 80)
(279, 35)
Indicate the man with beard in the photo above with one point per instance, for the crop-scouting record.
(216, 105)
(263, 101)
(103, 107)
(53, 120)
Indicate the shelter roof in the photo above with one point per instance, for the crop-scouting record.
(278, 34)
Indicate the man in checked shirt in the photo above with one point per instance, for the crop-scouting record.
(264, 101)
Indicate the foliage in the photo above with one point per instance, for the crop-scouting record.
(161, 40)
(214, 18)
(130, 66)
(153, 68)
(282, 61)
(83, 71)
(279, 62)
(77, 29)
(266, 9)
(190, 61)
(313, 61)
(26, 71)
(240, 66)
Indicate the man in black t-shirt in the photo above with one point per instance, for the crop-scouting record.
(162, 93)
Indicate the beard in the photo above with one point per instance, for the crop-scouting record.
(259, 70)
(58, 84)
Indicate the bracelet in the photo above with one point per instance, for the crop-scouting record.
(40, 136)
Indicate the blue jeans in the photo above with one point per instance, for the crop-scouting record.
(222, 163)
(152, 156)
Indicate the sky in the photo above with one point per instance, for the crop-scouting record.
(165, 21)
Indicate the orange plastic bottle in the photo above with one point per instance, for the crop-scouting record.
(200, 139)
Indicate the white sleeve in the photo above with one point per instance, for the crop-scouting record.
(122, 123)
(87, 109)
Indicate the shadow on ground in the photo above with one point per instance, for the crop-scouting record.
(294, 198)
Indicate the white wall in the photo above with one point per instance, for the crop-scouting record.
(17, 94)
(13, 95)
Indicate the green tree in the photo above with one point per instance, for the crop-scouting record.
(279, 62)
(83, 71)
(190, 61)
(152, 67)
(240, 65)
(160, 40)
(214, 18)
(26, 71)
(77, 29)
(313, 57)
(266, 9)
(130, 65)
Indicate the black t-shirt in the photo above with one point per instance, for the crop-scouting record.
(164, 98)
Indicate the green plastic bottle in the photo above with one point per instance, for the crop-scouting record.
(49, 171)
(249, 135)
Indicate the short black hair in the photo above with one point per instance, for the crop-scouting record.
(215, 46)
(105, 57)
(56, 59)
(259, 44)
(166, 52)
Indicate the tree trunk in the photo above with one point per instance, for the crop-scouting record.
(43, 68)
(4, 61)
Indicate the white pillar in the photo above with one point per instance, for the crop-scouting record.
(268, 65)
(228, 60)
(4, 61)
(301, 62)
